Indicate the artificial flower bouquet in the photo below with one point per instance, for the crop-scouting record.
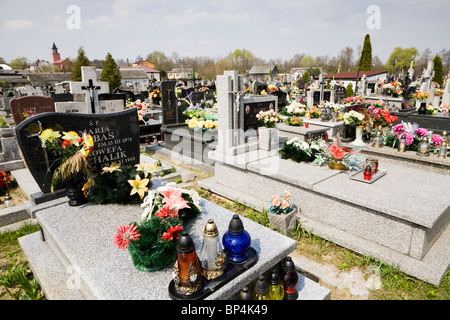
(152, 242)
(280, 204)
(421, 97)
(443, 108)
(394, 88)
(294, 109)
(268, 118)
(313, 112)
(353, 100)
(294, 121)
(354, 118)
(200, 119)
(335, 153)
(380, 116)
(141, 108)
(122, 185)
(71, 151)
(5, 183)
(301, 151)
(271, 88)
(412, 134)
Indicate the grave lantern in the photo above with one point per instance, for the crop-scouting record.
(443, 149)
(261, 291)
(188, 272)
(378, 140)
(402, 143)
(236, 241)
(276, 289)
(423, 148)
(289, 277)
(211, 254)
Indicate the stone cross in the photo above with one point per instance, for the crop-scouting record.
(91, 88)
(322, 86)
(411, 69)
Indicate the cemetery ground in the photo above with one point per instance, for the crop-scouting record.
(344, 272)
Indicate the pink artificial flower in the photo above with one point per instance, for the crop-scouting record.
(398, 129)
(276, 201)
(287, 195)
(423, 132)
(436, 140)
(125, 235)
(409, 138)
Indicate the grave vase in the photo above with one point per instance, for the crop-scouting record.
(358, 141)
(422, 108)
(267, 138)
(74, 190)
(285, 221)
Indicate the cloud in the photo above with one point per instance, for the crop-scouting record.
(18, 25)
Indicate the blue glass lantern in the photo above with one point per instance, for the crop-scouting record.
(236, 241)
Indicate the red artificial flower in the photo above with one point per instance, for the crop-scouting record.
(66, 143)
(172, 232)
(166, 211)
(336, 152)
(125, 235)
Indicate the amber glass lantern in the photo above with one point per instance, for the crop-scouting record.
(188, 272)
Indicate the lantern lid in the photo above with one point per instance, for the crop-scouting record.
(236, 225)
(210, 229)
(288, 264)
(185, 243)
(274, 278)
(261, 287)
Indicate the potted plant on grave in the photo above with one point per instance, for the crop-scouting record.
(294, 109)
(337, 157)
(152, 242)
(74, 169)
(282, 213)
(313, 112)
(294, 121)
(267, 132)
(356, 119)
(422, 98)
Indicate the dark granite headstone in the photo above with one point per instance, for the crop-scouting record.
(116, 140)
(316, 98)
(301, 83)
(340, 93)
(327, 95)
(62, 97)
(24, 107)
(169, 102)
(251, 109)
(209, 94)
(258, 87)
(197, 97)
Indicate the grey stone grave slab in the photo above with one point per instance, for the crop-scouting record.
(302, 132)
(76, 239)
(116, 140)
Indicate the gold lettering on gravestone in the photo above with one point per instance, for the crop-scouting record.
(107, 149)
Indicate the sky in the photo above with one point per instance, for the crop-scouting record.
(212, 28)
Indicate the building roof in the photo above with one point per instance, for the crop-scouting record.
(59, 61)
(48, 77)
(351, 75)
(179, 70)
(54, 46)
(128, 74)
(143, 67)
(261, 69)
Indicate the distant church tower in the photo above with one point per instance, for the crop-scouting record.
(55, 54)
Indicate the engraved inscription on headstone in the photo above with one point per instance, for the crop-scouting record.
(169, 102)
(71, 107)
(115, 135)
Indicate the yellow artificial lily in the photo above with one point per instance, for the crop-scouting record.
(49, 135)
(72, 136)
(139, 186)
(113, 167)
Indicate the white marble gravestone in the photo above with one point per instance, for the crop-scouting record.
(72, 107)
(90, 87)
(110, 106)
